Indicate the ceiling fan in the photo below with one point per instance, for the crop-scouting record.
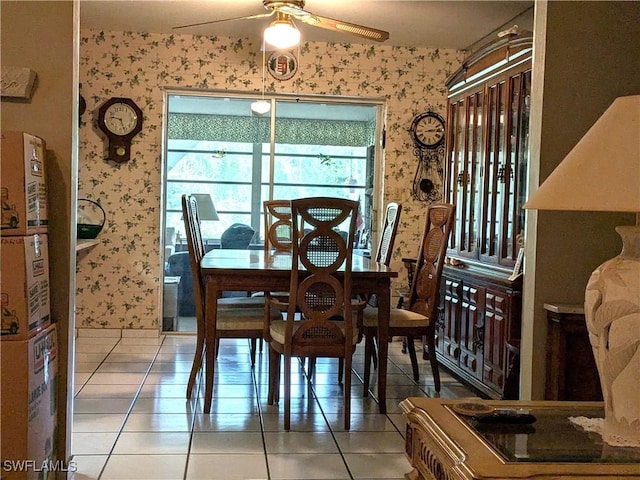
(284, 10)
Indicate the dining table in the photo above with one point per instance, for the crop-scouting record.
(260, 271)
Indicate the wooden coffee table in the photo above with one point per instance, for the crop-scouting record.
(444, 445)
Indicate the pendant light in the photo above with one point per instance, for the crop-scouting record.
(262, 106)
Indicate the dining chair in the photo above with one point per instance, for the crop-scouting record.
(277, 225)
(318, 320)
(419, 317)
(278, 232)
(383, 255)
(238, 317)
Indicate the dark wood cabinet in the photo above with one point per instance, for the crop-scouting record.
(487, 152)
(571, 369)
(481, 315)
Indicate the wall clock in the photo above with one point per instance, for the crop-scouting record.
(120, 119)
(428, 133)
(427, 129)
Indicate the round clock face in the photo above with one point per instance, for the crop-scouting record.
(120, 119)
(427, 129)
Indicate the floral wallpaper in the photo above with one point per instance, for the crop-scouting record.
(118, 281)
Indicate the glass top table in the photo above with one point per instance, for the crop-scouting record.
(446, 440)
(553, 437)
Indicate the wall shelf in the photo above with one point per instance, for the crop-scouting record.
(84, 244)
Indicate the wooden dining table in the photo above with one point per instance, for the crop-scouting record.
(256, 270)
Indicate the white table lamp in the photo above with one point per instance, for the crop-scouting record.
(602, 173)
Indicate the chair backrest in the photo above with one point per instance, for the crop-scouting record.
(321, 274)
(196, 248)
(425, 287)
(237, 236)
(389, 229)
(278, 231)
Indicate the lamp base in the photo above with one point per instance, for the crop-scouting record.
(612, 311)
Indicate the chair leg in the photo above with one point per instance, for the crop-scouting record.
(274, 377)
(217, 346)
(347, 391)
(431, 344)
(287, 392)
(368, 351)
(411, 348)
(341, 370)
(197, 362)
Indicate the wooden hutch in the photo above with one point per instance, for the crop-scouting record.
(486, 159)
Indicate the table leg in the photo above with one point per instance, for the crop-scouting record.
(211, 307)
(384, 305)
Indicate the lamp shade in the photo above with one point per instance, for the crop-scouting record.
(602, 172)
(206, 209)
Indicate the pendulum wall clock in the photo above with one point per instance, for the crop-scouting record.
(427, 132)
(120, 119)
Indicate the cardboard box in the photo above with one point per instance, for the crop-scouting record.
(25, 286)
(24, 187)
(29, 406)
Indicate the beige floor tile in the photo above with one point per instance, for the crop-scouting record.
(119, 367)
(167, 377)
(101, 405)
(91, 422)
(134, 357)
(227, 422)
(116, 378)
(307, 466)
(227, 442)
(145, 467)
(94, 391)
(164, 422)
(370, 442)
(164, 405)
(152, 443)
(373, 466)
(227, 467)
(92, 443)
(163, 390)
(300, 442)
(133, 348)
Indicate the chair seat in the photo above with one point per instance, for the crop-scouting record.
(397, 318)
(241, 302)
(277, 329)
(243, 318)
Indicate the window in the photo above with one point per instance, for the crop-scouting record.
(216, 146)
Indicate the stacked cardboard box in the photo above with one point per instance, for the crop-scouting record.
(28, 351)
(24, 188)
(29, 406)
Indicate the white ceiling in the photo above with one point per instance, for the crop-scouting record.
(445, 24)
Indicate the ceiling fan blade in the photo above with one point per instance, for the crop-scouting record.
(246, 17)
(340, 26)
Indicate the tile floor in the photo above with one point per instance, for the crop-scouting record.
(132, 420)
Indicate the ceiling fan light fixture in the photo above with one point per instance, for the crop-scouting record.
(282, 33)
